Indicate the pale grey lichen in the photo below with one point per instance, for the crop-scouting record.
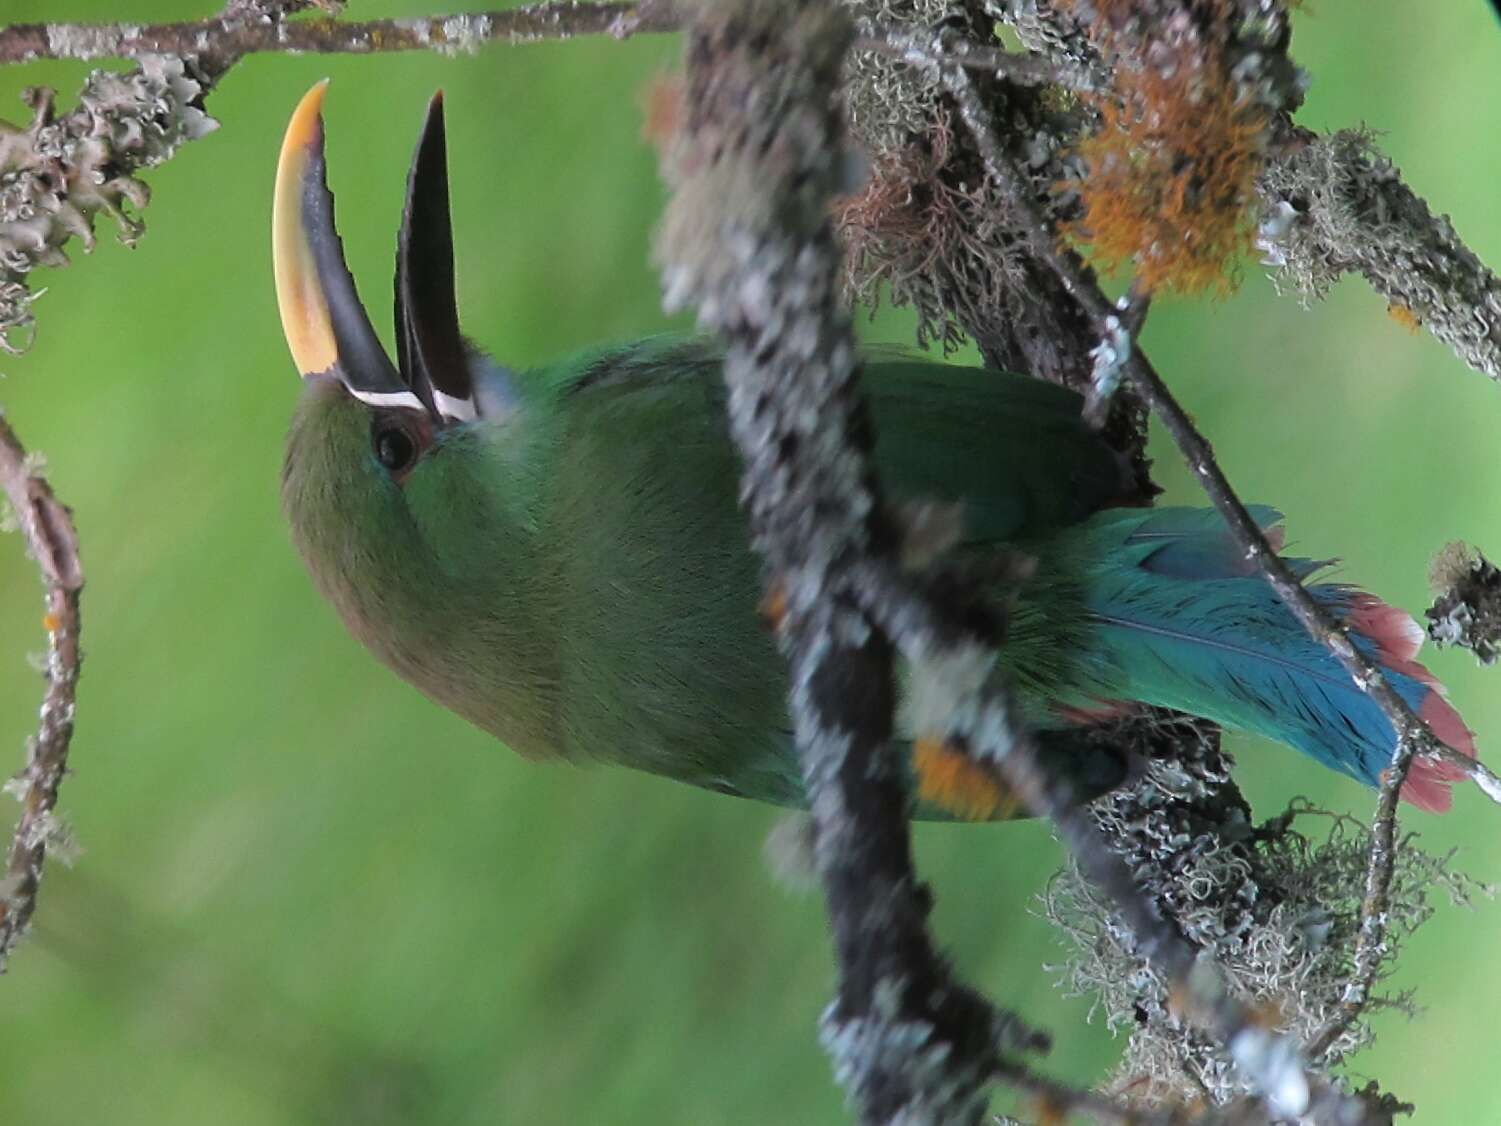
(59, 172)
(1109, 358)
(1353, 212)
(88, 41)
(887, 102)
(1046, 30)
(1275, 907)
(884, 1041)
(789, 852)
(1467, 607)
(463, 35)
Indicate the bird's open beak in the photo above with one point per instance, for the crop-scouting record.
(428, 343)
(325, 325)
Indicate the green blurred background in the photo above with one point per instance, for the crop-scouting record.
(308, 896)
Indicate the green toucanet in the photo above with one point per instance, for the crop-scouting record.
(558, 556)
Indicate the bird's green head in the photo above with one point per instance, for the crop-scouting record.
(366, 431)
(380, 454)
(407, 485)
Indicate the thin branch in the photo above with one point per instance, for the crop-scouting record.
(233, 35)
(1057, 1101)
(1013, 66)
(52, 541)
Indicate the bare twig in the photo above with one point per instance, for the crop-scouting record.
(52, 542)
(235, 34)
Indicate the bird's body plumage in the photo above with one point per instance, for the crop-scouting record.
(558, 555)
(571, 571)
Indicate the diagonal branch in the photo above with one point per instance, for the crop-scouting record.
(51, 540)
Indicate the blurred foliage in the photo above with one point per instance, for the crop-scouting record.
(309, 896)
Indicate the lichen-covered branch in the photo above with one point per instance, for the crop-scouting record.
(57, 173)
(51, 540)
(1278, 910)
(747, 239)
(1334, 204)
(238, 32)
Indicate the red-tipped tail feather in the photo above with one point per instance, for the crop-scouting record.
(1398, 638)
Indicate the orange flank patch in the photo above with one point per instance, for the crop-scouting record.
(661, 110)
(1050, 1111)
(949, 779)
(774, 606)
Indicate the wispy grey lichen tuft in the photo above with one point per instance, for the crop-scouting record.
(58, 173)
(1276, 908)
(887, 102)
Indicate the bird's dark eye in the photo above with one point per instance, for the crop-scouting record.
(395, 448)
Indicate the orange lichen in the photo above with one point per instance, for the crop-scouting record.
(953, 782)
(1172, 172)
(1049, 1110)
(1404, 316)
(51, 623)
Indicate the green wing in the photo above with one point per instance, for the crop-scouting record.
(667, 664)
(1012, 448)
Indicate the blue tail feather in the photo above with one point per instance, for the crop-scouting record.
(1185, 622)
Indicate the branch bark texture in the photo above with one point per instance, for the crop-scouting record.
(52, 541)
